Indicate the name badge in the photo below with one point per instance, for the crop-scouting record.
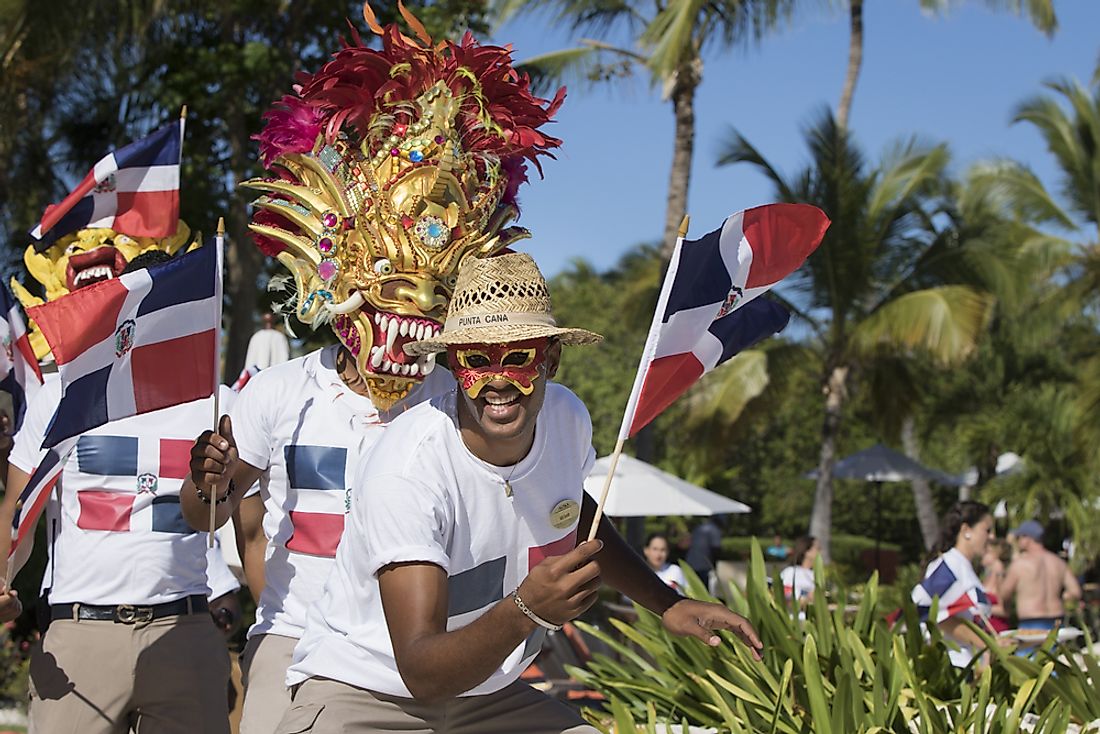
(564, 514)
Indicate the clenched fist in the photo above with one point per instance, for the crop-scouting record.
(214, 459)
(561, 588)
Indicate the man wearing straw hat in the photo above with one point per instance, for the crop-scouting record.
(460, 549)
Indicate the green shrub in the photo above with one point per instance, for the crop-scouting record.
(827, 674)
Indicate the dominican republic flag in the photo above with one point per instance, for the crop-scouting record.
(951, 579)
(135, 191)
(33, 500)
(708, 311)
(130, 345)
(19, 373)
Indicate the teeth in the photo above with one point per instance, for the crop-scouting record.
(429, 364)
(384, 323)
(391, 335)
(377, 318)
(404, 328)
(414, 369)
(386, 364)
(498, 400)
(376, 357)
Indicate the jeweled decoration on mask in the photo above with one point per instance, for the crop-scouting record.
(392, 166)
(518, 363)
(85, 257)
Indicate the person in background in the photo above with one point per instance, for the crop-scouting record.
(1039, 581)
(656, 555)
(778, 550)
(706, 539)
(950, 577)
(268, 346)
(798, 578)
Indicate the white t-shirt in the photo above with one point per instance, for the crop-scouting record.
(423, 497)
(673, 576)
(300, 423)
(798, 582)
(120, 536)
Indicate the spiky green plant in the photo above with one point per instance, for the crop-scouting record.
(828, 673)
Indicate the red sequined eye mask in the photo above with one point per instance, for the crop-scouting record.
(519, 363)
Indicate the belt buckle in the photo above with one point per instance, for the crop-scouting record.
(130, 614)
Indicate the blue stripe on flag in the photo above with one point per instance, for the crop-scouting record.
(107, 455)
(758, 319)
(476, 587)
(161, 148)
(315, 467)
(939, 581)
(183, 279)
(83, 407)
(76, 218)
(702, 277)
(34, 485)
(167, 517)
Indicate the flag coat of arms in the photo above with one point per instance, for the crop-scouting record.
(708, 309)
(130, 345)
(19, 373)
(134, 190)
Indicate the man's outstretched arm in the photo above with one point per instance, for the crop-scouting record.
(625, 571)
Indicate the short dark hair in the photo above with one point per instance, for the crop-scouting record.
(653, 536)
(146, 259)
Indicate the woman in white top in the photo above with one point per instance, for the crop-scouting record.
(951, 579)
(798, 578)
(656, 555)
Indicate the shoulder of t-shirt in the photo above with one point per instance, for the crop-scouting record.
(291, 371)
(400, 446)
(560, 398)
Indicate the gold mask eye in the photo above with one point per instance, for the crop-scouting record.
(383, 267)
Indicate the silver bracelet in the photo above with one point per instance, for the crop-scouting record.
(532, 616)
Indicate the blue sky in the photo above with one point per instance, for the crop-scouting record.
(954, 79)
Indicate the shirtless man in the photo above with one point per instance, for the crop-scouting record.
(1039, 581)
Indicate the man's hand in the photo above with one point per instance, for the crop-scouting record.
(226, 611)
(214, 459)
(561, 588)
(10, 606)
(690, 618)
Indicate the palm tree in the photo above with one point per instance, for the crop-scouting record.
(669, 40)
(1039, 12)
(880, 285)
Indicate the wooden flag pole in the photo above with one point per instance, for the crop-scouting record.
(632, 402)
(219, 242)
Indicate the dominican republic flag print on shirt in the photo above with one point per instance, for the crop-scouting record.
(951, 579)
(708, 310)
(135, 191)
(33, 500)
(19, 373)
(134, 344)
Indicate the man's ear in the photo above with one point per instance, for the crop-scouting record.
(553, 358)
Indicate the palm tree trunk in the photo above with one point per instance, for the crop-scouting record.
(821, 518)
(682, 95)
(855, 61)
(927, 516)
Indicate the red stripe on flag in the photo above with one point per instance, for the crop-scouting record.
(23, 344)
(666, 379)
(101, 510)
(54, 212)
(781, 236)
(148, 213)
(175, 455)
(559, 547)
(80, 320)
(173, 372)
(315, 533)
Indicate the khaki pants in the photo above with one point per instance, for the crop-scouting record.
(165, 677)
(324, 706)
(263, 673)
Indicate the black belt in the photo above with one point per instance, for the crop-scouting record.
(129, 613)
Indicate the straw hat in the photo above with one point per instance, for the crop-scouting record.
(497, 300)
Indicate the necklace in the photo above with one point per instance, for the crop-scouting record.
(508, 481)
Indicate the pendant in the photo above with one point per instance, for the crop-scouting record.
(507, 488)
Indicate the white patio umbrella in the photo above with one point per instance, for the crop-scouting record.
(642, 489)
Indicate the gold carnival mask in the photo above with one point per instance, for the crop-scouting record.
(395, 164)
(84, 257)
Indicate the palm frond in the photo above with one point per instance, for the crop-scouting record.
(735, 148)
(721, 396)
(670, 37)
(945, 322)
(1020, 189)
(567, 66)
